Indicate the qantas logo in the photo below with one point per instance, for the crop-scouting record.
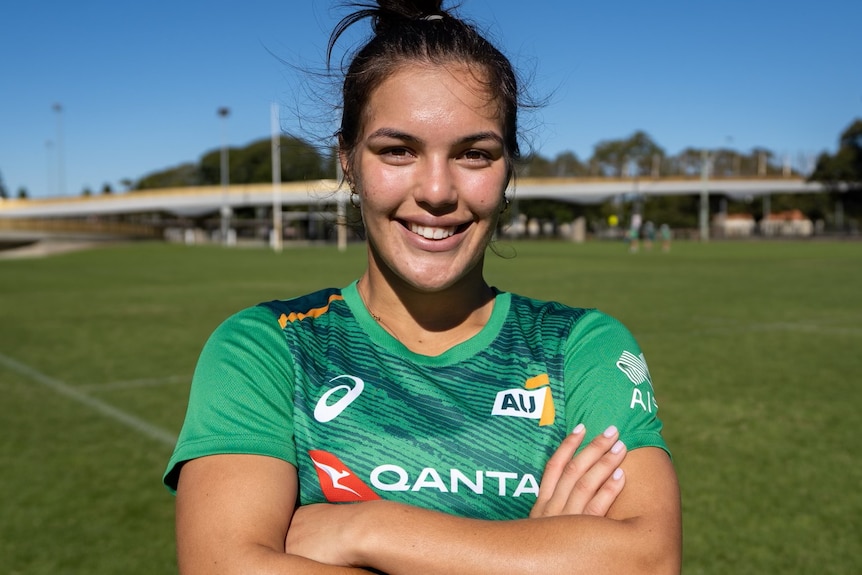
(338, 482)
(324, 411)
(533, 402)
(341, 485)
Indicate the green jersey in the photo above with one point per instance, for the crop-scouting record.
(316, 381)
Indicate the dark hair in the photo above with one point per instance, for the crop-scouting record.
(420, 30)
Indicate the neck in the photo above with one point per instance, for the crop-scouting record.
(427, 322)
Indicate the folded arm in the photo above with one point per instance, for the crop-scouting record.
(232, 514)
(640, 533)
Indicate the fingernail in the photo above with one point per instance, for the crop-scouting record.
(618, 474)
(579, 428)
(610, 432)
(618, 446)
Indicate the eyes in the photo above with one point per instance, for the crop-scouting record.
(469, 157)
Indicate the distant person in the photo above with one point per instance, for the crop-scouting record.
(472, 430)
(633, 234)
(666, 234)
(649, 235)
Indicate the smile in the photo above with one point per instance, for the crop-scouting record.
(432, 233)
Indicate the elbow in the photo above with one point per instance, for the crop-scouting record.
(653, 548)
(658, 558)
(659, 563)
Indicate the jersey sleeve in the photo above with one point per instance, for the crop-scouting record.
(608, 383)
(241, 398)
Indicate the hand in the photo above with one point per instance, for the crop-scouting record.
(584, 484)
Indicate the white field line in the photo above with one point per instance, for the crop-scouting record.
(101, 407)
(135, 383)
(810, 327)
(722, 327)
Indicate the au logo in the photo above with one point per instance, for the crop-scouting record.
(534, 401)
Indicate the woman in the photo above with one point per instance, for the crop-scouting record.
(447, 412)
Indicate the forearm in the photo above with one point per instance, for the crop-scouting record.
(399, 539)
(257, 559)
(232, 514)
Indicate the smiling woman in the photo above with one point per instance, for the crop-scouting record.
(430, 170)
(472, 430)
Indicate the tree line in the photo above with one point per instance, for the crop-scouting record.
(636, 155)
(251, 164)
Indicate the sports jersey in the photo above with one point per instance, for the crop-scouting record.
(317, 382)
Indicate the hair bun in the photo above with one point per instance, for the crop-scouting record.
(410, 9)
(393, 13)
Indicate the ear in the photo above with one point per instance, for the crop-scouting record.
(344, 162)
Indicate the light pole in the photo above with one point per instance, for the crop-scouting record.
(61, 171)
(705, 166)
(224, 112)
(277, 231)
(49, 163)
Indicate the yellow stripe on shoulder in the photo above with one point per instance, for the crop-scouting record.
(316, 312)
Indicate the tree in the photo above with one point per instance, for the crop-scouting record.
(3, 192)
(726, 162)
(253, 163)
(107, 190)
(845, 167)
(610, 157)
(534, 165)
(22, 193)
(688, 162)
(616, 157)
(567, 164)
(842, 173)
(182, 175)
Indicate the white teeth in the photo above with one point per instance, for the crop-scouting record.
(430, 233)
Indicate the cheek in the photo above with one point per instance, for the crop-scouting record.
(383, 188)
(484, 193)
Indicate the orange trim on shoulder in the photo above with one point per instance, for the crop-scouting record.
(316, 312)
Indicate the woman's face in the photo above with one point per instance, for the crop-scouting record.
(430, 168)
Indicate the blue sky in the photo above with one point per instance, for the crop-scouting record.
(140, 82)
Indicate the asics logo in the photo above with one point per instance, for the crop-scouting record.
(324, 412)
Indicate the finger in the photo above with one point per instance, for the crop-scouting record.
(556, 465)
(594, 480)
(561, 458)
(559, 497)
(599, 505)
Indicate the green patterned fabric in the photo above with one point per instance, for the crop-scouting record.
(316, 381)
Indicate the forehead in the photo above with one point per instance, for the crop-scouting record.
(435, 93)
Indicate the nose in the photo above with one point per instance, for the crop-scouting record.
(436, 189)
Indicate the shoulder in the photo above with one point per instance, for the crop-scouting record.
(578, 325)
(535, 308)
(264, 324)
(552, 314)
(307, 306)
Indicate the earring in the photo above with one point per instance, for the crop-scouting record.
(505, 203)
(354, 199)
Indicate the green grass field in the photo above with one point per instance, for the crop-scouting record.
(755, 350)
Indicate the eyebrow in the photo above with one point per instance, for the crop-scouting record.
(405, 137)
